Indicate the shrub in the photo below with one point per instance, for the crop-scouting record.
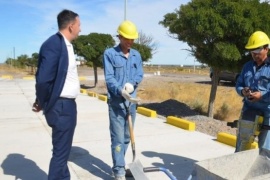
(223, 112)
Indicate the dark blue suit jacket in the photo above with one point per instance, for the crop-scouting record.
(52, 71)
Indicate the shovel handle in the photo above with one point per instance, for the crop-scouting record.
(130, 126)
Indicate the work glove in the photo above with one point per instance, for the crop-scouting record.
(129, 87)
(129, 98)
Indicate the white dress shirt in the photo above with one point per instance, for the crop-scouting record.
(71, 87)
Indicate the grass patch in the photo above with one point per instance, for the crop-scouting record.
(228, 103)
(198, 106)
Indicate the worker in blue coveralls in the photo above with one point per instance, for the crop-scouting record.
(123, 72)
(254, 85)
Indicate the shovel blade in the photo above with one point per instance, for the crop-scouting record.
(136, 169)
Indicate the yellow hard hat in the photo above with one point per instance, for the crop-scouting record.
(257, 39)
(128, 30)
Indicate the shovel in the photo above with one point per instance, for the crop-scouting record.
(136, 167)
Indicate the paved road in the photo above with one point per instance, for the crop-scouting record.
(25, 140)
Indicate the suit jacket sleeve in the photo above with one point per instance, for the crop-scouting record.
(47, 69)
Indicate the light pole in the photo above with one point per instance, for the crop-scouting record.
(125, 11)
(194, 66)
(13, 57)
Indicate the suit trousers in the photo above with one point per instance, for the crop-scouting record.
(62, 118)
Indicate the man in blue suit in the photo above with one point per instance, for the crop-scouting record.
(57, 86)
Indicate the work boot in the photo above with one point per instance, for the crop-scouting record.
(128, 173)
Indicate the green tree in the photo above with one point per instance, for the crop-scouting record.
(216, 32)
(33, 62)
(91, 47)
(22, 60)
(144, 50)
(9, 61)
(147, 41)
(34, 59)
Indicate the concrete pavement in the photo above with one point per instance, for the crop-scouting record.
(25, 140)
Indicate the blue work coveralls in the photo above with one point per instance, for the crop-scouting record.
(118, 71)
(257, 79)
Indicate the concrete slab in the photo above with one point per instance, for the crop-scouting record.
(25, 139)
(251, 164)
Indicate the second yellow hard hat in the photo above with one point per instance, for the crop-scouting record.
(257, 39)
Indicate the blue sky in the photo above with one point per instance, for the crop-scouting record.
(27, 23)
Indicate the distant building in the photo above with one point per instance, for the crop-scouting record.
(146, 63)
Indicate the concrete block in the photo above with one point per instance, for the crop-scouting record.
(7, 77)
(231, 140)
(254, 145)
(248, 164)
(182, 123)
(28, 78)
(226, 139)
(92, 94)
(102, 98)
(83, 91)
(147, 112)
(82, 78)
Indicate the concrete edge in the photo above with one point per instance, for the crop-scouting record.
(182, 123)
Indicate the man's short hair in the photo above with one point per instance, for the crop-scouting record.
(65, 17)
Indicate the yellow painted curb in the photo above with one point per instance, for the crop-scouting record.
(254, 145)
(147, 112)
(92, 94)
(28, 77)
(182, 123)
(83, 91)
(102, 98)
(226, 139)
(82, 78)
(231, 140)
(7, 77)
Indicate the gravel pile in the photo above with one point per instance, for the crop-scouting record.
(204, 124)
(210, 126)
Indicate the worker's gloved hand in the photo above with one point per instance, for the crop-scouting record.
(129, 98)
(135, 100)
(125, 94)
(129, 87)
